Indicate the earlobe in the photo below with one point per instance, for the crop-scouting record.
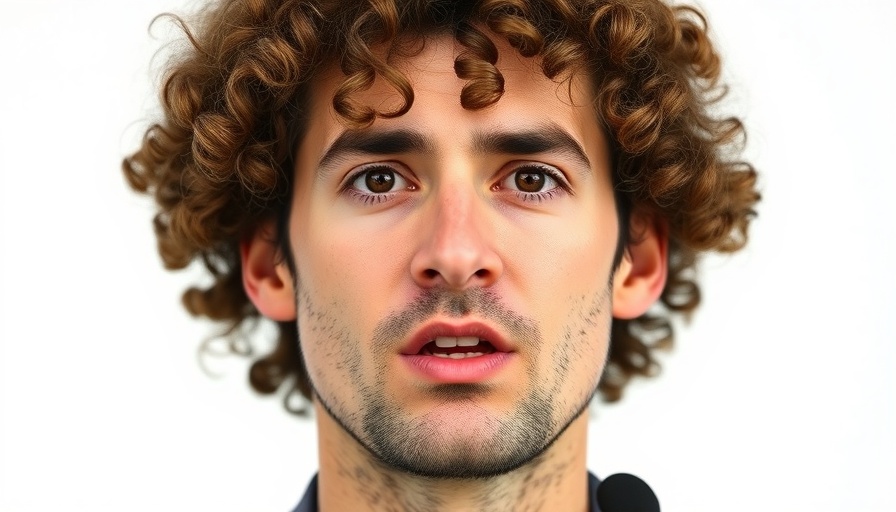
(266, 278)
(641, 276)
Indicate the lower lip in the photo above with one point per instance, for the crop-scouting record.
(458, 371)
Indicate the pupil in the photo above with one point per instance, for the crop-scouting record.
(380, 181)
(530, 181)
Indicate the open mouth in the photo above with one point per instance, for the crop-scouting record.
(457, 347)
(451, 353)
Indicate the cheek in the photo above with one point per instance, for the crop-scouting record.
(564, 259)
(347, 273)
(327, 332)
(333, 260)
(353, 269)
(587, 328)
(331, 352)
(580, 358)
(565, 283)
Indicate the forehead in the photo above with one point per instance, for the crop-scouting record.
(529, 98)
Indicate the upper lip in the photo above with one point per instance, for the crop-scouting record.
(430, 331)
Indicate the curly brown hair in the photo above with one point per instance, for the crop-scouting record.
(221, 160)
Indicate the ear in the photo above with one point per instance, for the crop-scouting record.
(266, 277)
(641, 276)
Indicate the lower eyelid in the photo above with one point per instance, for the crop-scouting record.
(369, 198)
(540, 196)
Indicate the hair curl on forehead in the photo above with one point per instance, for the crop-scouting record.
(220, 161)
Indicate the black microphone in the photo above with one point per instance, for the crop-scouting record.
(626, 493)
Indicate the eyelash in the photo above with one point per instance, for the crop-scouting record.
(539, 197)
(535, 197)
(369, 199)
(364, 197)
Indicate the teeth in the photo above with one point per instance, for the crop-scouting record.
(460, 341)
(467, 341)
(458, 355)
(446, 341)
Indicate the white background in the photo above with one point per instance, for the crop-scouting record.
(779, 396)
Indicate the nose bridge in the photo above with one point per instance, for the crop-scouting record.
(456, 234)
(455, 215)
(457, 250)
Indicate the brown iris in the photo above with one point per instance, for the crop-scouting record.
(529, 181)
(380, 181)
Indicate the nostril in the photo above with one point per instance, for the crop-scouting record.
(430, 273)
(482, 273)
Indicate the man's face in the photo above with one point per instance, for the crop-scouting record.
(454, 267)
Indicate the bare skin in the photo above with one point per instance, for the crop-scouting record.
(497, 225)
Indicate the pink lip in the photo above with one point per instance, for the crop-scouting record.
(431, 331)
(456, 371)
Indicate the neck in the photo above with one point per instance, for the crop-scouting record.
(351, 478)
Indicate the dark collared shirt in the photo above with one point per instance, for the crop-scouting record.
(309, 500)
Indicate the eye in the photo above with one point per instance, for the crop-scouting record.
(379, 179)
(531, 180)
(534, 180)
(378, 183)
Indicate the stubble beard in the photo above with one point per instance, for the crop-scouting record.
(428, 445)
(436, 448)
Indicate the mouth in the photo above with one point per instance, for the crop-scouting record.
(444, 340)
(457, 347)
(457, 353)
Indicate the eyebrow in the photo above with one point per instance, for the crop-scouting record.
(547, 138)
(375, 142)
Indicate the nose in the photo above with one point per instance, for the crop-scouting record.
(457, 246)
